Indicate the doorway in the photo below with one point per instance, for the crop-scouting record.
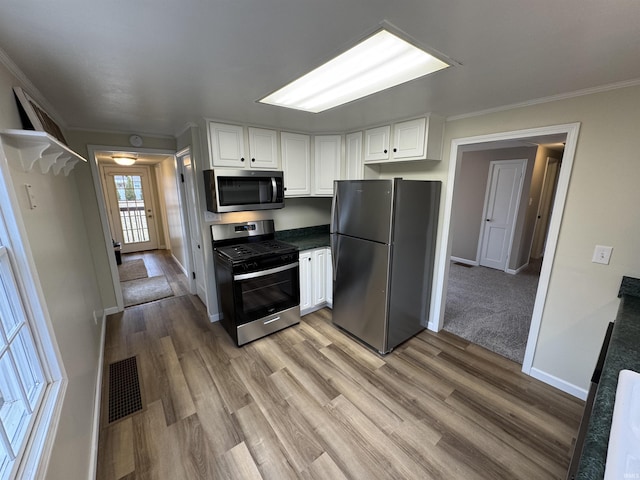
(138, 205)
(561, 133)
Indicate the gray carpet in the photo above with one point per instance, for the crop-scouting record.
(145, 290)
(492, 308)
(132, 270)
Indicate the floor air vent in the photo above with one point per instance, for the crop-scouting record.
(124, 389)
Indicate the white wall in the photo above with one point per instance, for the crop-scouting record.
(59, 243)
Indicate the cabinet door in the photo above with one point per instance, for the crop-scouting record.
(226, 144)
(376, 144)
(306, 282)
(296, 164)
(328, 149)
(319, 275)
(409, 139)
(263, 148)
(353, 157)
(329, 284)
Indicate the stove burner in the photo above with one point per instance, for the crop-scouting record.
(246, 251)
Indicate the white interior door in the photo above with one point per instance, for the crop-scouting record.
(194, 226)
(131, 211)
(501, 204)
(546, 206)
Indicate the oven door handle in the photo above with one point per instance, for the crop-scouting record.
(264, 273)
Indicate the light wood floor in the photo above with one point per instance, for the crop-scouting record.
(160, 262)
(309, 402)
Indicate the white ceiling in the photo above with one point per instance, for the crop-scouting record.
(153, 66)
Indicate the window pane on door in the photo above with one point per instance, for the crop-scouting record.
(131, 205)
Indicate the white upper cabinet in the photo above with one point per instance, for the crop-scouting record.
(418, 139)
(328, 151)
(408, 139)
(353, 156)
(263, 149)
(226, 144)
(296, 164)
(376, 144)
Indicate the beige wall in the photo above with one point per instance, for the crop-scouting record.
(59, 243)
(601, 208)
(175, 227)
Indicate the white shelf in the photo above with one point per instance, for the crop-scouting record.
(40, 147)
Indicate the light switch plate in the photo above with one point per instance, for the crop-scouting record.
(602, 254)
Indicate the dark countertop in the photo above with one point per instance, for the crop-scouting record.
(306, 238)
(623, 353)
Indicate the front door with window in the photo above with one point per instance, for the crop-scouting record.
(131, 213)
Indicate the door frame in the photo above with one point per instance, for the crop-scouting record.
(545, 186)
(186, 219)
(92, 151)
(571, 130)
(492, 164)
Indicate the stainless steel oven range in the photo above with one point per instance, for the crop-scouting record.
(258, 280)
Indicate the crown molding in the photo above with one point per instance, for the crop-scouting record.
(553, 98)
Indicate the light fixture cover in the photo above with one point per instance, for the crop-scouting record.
(381, 61)
(125, 161)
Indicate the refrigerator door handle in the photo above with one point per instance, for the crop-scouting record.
(334, 209)
(334, 255)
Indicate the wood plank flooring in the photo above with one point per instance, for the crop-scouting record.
(310, 402)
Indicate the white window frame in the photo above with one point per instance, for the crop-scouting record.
(33, 457)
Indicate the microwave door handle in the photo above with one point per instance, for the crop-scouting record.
(274, 190)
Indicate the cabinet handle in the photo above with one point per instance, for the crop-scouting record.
(253, 159)
(385, 150)
(395, 150)
(242, 159)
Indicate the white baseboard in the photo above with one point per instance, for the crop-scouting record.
(180, 266)
(560, 384)
(111, 311)
(96, 404)
(215, 317)
(517, 270)
(466, 261)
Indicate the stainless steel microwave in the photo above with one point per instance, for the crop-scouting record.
(241, 190)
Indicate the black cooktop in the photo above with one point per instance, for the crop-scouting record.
(241, 252)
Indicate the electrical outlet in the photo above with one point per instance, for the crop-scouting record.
(602, 254)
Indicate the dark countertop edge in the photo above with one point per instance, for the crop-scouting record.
(306, 238)
(623, 354)
(629, 286)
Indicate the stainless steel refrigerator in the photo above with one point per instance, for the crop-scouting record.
(383, 235)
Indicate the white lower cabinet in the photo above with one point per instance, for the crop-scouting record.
(315, 273)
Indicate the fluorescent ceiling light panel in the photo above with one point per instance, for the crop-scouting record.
(375, 64)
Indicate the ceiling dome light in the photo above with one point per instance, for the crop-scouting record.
(125, 161)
